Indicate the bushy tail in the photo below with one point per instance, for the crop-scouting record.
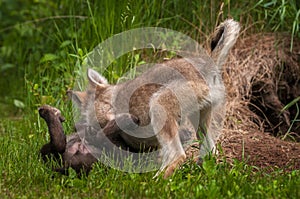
(222, 41)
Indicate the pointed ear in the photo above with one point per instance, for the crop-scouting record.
(96, 79)
(77, 97)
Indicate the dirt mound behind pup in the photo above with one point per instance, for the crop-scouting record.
(262, 125)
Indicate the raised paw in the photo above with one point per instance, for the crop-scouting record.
(47, 112)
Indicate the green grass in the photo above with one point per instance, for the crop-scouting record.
(24, 175)
(43, 44)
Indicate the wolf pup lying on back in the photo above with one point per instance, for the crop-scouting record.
(164, 100)
(72, 148)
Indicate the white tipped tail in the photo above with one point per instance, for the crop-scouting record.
(223, 40)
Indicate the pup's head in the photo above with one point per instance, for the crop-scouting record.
(94, 103)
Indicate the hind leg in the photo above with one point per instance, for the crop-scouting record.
(207, 144)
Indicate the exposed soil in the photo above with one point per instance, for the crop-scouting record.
(262, 76)
(262, 150)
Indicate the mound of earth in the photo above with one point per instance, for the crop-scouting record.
(262, 150)
(262, 124)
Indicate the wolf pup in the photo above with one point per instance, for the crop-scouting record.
(165, 99)
(72, 148)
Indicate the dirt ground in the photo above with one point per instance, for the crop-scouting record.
(262, 76)
(262, 150)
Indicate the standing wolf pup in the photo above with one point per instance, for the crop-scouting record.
(164, 100)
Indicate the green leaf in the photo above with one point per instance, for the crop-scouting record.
(65, 43)
(6, 66)
(48, 57)
(294, 101)
(19, 104)
(80, 52)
